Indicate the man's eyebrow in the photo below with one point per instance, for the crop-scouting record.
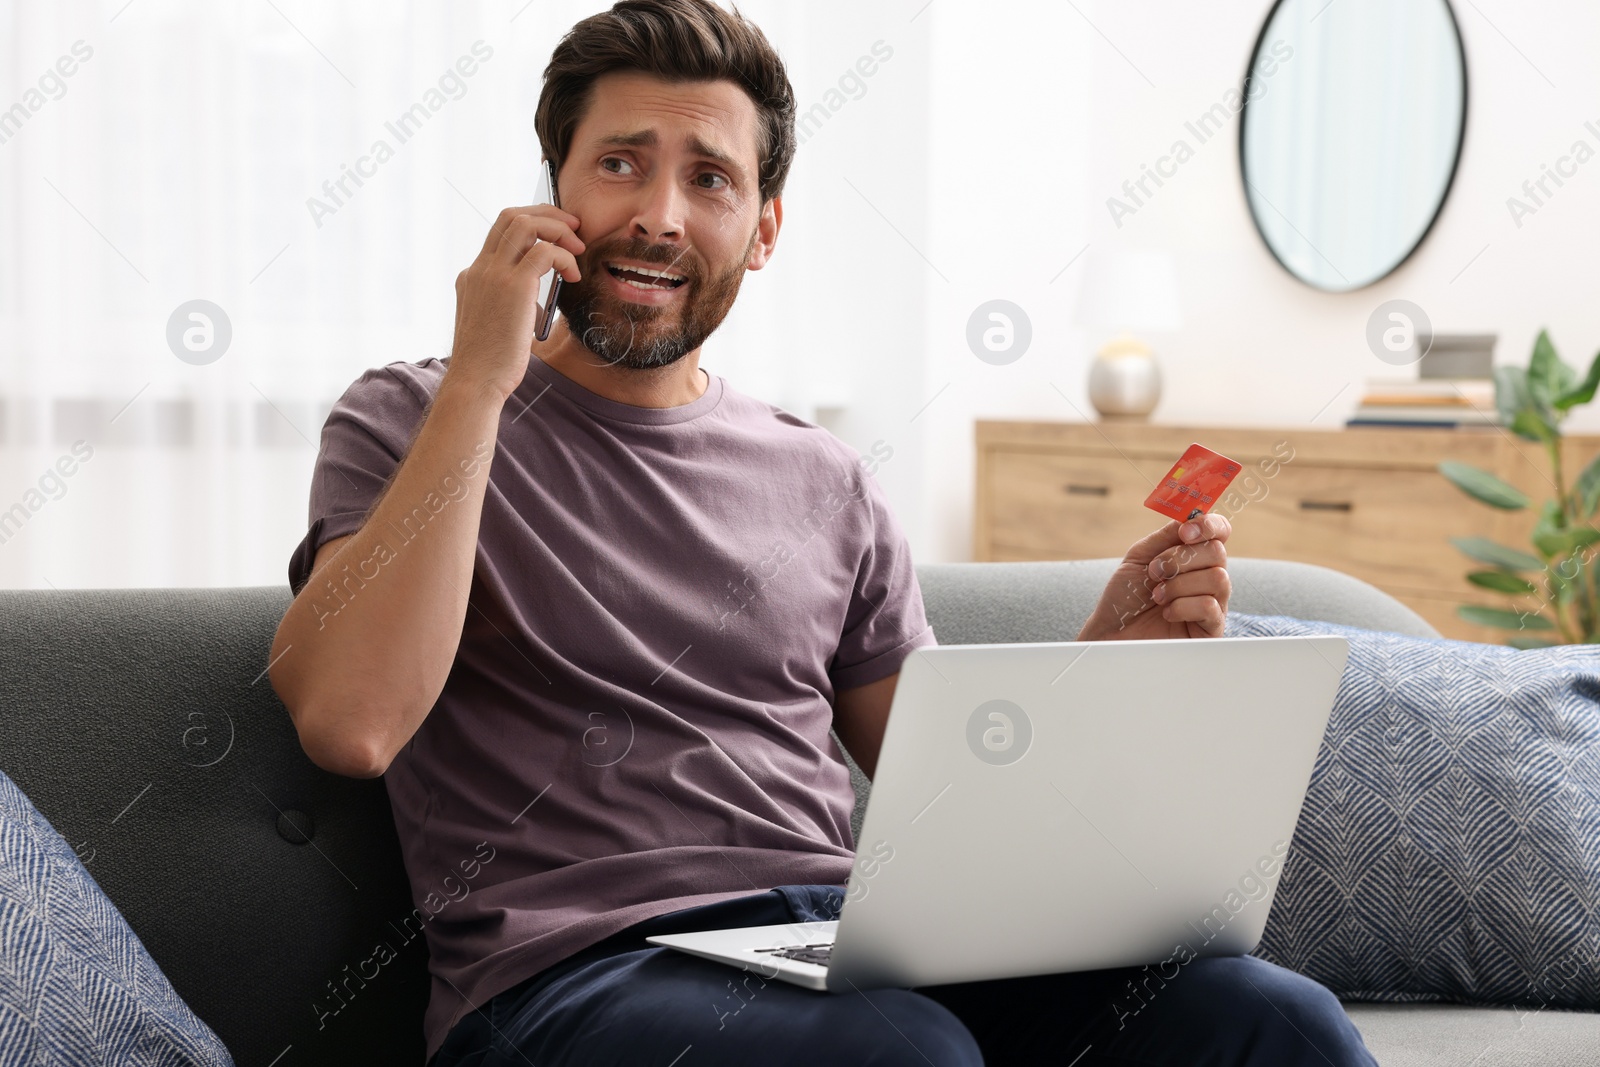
(648, 139)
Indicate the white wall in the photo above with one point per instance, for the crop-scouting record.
(974, 164)
(1257, 346)
(836, 326)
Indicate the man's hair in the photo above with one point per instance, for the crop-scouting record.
(677, 41)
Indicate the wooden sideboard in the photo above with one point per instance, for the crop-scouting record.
(1367, 501)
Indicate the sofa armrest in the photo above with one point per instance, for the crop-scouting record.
(1003, 603)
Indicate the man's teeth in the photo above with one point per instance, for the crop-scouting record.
(665, 276)
(656, 273)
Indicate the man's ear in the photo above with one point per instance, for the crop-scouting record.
(766, 236)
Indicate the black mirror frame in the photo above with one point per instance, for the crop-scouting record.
(1444, 194)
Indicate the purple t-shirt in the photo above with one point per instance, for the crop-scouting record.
(664, 603)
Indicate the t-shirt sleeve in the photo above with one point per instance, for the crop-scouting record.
(367, 433)
(885, 621)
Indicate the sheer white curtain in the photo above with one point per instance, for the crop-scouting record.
(158, 152)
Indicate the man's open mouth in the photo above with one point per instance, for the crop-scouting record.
(646, 278)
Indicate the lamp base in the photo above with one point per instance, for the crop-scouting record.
(1125, 380)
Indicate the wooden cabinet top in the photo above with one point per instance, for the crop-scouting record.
(1493, 448)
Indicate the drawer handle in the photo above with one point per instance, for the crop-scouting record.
(1088, 490)
(1325, 505)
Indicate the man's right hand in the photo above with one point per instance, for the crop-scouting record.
(360, 664)
(497, 296)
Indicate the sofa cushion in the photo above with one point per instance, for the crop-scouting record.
(76, 984)
(1449, 846)
(1449, 1035)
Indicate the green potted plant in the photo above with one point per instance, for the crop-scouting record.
(1561, 579)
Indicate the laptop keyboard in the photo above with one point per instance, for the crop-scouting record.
(820, 953)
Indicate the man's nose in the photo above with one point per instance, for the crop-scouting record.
(659, 216)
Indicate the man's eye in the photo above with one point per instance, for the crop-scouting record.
(614, 159)
(718, 177)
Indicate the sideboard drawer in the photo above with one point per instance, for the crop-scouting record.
(1370, 503)
(1391, 528)
(1056, 505)
(1384, 528)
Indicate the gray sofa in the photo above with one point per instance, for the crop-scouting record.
(142, 725)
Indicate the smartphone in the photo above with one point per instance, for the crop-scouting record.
(550, 284)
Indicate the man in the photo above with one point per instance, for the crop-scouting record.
(591, 613)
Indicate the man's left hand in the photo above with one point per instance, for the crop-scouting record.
(1173, 583)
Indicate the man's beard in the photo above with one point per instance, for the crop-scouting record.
(642, 336)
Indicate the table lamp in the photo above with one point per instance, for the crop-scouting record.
(1127, 291)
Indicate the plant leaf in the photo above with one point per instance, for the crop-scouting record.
(1501, 619)
(1531, 424)
(1510, 392)
(1482, 485)
(1586, 490)
(1560, 588)
(1584, 391)
(1558, 542)
(1548, 376)
(1547, 530)
(1497, 555)
(1502, 582)
(1530, 642)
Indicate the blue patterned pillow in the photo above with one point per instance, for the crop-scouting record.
(76, 984)
(1449, 847)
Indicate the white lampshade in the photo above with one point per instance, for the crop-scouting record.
(1130, 289)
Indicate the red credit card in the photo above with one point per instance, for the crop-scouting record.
(1193, 485)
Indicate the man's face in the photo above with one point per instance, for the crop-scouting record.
(662, 176)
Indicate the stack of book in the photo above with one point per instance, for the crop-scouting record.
(1454, 387)
(1436, 402)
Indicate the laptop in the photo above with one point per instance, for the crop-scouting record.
(1072, 806)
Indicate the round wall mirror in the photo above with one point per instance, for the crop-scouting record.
(1352, 125)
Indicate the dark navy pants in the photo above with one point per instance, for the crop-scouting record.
(624, 1001)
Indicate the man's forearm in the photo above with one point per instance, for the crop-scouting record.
(364, 650)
